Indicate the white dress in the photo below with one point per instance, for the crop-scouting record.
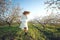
(24, 20)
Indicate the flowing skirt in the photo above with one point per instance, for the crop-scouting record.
(23, 24)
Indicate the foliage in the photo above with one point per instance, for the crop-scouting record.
(36, 32)
(8, 12)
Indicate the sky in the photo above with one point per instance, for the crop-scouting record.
(36, 7)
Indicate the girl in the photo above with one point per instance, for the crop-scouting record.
(24, 20)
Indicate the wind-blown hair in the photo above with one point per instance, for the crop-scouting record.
(26, 12)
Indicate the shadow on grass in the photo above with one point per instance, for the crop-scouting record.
(13, 33)
(49, 35)
(8, 33)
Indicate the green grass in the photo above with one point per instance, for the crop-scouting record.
(50, 32)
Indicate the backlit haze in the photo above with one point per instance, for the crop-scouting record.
(36, 7)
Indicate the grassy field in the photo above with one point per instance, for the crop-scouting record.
(50, 32)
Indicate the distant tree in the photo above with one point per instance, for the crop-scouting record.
(9, 13)
(38, 21)
(53, 5)
(53, 18)
(14, 16)
(4, 9)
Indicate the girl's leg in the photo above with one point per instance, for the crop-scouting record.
(25, 30)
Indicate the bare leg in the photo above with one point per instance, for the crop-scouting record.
(25, 30)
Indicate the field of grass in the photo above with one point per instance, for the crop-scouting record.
(50, 32)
